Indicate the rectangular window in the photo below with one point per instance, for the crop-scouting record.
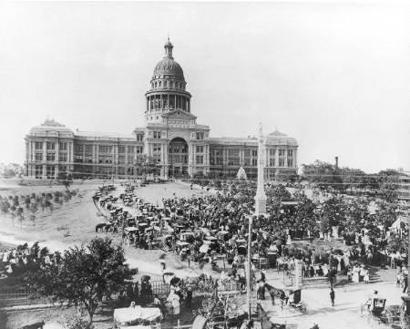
(38, 145)
(290, 162)
(272, 162)
(39, 157)
(139, 149)
(140, 137)
(157, 135)
(199, 149)
(89, 149)
(51, 145)
(131, 149)
(254, 153)
(199, 135)
(254, 162)
(50, 170)
(105, 148)
(78, 148)
(63, 146)
(39, 171)
(156, 148)
(199, 159)
(62, 156)
(121, 149)
(281, 153)
(272, 152)
(51, 156)
(281, 162)
(233, 152)
(290, 153)
(247, 152)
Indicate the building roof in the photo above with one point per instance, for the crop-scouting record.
(275, 138)
(50, 127)
(102, 135)
(279, 138)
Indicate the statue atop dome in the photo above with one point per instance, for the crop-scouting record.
(168, 49)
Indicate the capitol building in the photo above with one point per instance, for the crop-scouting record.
(171, 144)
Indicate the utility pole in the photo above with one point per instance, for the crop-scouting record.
(406, 299)
(249, 274)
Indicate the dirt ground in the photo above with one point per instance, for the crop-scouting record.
(73, 223)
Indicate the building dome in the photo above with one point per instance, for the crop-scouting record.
(167, 66)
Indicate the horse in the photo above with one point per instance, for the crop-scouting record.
(100, 227)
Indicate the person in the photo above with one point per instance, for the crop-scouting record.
(261, 290)
(370, 301)
(332, 296)
(188, 300)
(366, 277)
(163, 269)
(406, 281)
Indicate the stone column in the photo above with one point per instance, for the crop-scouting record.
(71, 155)
(115, 159)
(190, 158)
(57, 159)
(295, 158)
(44, 176)
(206, 156)
(241, 157)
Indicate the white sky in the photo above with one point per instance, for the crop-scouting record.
(334, 75)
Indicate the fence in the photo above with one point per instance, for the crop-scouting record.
(19, 296)
(22, 296)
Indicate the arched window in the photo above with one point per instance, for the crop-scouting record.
(155, 84)
(172, 84)
(165, 84)
(159, 84)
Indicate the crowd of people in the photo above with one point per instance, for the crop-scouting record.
(205, 228)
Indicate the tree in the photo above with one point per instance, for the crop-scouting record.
(323, 174)
(332, 212)
(388, 182)
(84, 276)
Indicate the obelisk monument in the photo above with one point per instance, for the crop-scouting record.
(260, 197)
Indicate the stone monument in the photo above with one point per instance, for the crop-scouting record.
(260, 197)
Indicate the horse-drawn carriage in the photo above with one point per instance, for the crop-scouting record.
(375, 310)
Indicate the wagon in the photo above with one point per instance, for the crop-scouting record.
(136, 317)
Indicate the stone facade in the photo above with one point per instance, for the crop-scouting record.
(172, 142)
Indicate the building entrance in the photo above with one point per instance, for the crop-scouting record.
(178, 157)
